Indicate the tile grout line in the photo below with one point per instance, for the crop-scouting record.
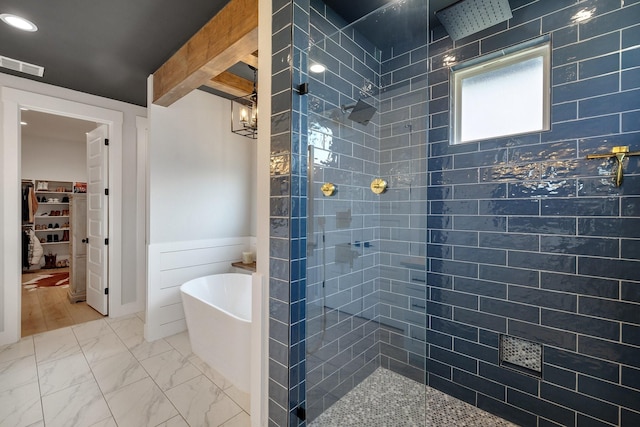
(93, 374)
(35, 360)
(139, 361)
(142, 379)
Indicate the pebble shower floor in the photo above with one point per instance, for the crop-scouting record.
(389, 399)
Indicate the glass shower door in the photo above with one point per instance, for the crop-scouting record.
(366, 250)
(341, 269)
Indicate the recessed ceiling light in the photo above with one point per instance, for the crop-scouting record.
(18, 22)
(317, 68)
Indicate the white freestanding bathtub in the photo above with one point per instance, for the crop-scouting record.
(218, 313)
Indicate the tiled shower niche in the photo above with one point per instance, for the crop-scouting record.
(518, 353)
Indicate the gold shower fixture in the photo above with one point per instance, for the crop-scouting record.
(328, 189)
(378, 186)
(619, 152)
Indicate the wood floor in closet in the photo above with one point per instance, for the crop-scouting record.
(48, 308)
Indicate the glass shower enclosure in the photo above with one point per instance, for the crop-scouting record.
(366, 294)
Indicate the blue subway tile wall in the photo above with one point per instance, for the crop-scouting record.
(298, 214)
(287, 219)
(543, 239)
(519, 235)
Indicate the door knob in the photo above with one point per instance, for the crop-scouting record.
(85, 240)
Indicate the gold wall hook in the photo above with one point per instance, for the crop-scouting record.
(619, 152)
(328, 189)
(378, 186)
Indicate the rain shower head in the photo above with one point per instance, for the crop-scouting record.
(467, 17)
(361, 112)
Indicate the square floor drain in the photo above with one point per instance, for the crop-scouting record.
(521, 353)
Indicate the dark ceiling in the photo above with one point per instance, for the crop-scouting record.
(105, 48)
(352, 10)
(109, 48)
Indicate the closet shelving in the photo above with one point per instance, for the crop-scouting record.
(51, 221)
(52, 217)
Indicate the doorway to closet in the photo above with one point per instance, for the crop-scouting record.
(55, 170)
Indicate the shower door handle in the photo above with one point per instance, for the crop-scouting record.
(310, 216)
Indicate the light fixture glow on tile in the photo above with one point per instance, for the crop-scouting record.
(583, 15)
(18, 22)
(448, 60)
(317, 68)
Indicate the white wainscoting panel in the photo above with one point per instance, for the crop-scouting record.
(171, 265)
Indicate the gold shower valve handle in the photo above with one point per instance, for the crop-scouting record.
(328, 189)
(378, 186)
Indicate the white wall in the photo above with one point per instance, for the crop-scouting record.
(201, 201)
(130, 294)
(200, 174)
(54, 159)
(260, 389)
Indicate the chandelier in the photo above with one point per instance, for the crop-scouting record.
(244, 112)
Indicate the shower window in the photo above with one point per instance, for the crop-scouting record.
(505, 93)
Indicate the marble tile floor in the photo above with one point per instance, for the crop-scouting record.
(104, 374)
(385, 399)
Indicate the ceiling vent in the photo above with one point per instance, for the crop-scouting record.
(21, 66)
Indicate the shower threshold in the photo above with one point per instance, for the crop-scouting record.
(385, 398)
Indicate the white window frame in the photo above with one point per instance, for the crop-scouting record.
(537, 48)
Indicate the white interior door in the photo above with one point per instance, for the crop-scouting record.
(97, 224)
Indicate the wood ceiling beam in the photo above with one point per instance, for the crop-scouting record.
(251, 59)
(230, 83)
(226, 39)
